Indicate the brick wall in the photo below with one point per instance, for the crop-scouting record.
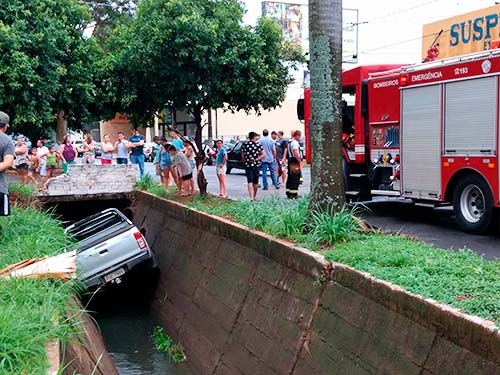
(242, 302)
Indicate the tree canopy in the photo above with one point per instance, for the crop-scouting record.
(197, 54)
(47, 67)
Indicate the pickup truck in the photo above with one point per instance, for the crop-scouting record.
(109, 245)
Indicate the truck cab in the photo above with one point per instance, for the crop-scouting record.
(108, 246)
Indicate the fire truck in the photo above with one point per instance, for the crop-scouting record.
(427, 132)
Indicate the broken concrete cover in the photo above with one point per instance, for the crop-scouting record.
(93, 180)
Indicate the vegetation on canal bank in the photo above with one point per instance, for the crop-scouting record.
(33, 312)
(461, 279)
(164, 344)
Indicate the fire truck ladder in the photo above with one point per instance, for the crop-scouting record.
(492, 53)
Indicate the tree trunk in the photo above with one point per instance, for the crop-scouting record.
(327, 185)
(200, 155)
(62, 125)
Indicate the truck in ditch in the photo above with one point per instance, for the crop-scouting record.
(108, 246)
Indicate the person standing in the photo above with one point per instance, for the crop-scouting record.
(177, 141)
(68, 152)
(136, 146)
(252, 154)
(190, 154)
(34, 167)
(294, 166)
(88, 149)
(21, 161)
(42, 152)
(52, 160)
(220, 167)
(181, 162)
(268, 162)
(166, 166)
(121, 149)
(155, 152)
(6, 161)
(281, 154)
(107, 151)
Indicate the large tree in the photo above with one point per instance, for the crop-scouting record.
(327, 186)
(197, 55)
(107, 14)
(47, 67)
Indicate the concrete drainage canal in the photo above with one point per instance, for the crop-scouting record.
(121, 309)
(122, 313)
(243, 303)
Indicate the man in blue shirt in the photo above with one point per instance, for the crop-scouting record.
(177, 141)
(268, 160)
(136, 145)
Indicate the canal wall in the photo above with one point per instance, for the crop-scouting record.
(242, 302)
(86, 353)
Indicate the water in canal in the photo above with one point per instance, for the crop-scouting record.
(129, 337)
(122, 313)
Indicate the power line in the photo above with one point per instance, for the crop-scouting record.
(400, 42)
(398, 12)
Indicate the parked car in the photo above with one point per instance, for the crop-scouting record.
(79, 143)
(148, 151)
(234, 158)
(109, 246)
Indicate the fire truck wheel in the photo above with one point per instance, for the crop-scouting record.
(473, 205)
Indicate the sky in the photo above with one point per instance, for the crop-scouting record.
(390, 31)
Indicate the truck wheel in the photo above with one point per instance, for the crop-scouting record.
(228, 169)
(473, 205)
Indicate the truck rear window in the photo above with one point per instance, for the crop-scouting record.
(93, 225)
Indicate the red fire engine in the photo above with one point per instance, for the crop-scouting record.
(437, 122)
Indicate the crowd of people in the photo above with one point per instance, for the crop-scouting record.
(174, 160)
(280, 156)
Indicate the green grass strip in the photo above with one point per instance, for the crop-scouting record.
(32, 312)
(461, 279)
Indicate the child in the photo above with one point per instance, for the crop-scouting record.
(181, 162)
(34, 166)
(53, 158)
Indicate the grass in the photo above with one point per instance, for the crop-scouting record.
(24, 191)
(32, 311)
(164, 344)
(461, 279)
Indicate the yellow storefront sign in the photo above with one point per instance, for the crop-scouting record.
(463, 34)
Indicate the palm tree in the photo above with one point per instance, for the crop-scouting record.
(327, 186)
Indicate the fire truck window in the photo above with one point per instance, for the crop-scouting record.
(347, 118)
(385, 136)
